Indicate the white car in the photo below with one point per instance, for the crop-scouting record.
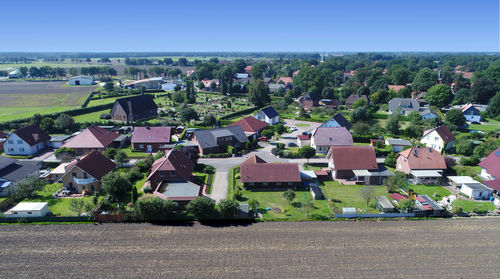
(293, 128)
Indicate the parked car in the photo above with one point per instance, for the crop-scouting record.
(293, 128)
(263, 139)
(292, 144)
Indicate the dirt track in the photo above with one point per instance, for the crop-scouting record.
(445, 248)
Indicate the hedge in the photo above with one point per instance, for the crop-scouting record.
(47, 219)
(363, 139)
(239, 113)
(217, 155)
(87, 101)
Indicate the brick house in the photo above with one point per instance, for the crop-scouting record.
(92, 139)
(152, 139)
(84, 174)
(325, 137)
(26, 141)
(134, 108)
(251, 126)
(423, 165)
(171, 178)
(257, 174)
(217, 140)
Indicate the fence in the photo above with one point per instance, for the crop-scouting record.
(47, 219)
(382, 215)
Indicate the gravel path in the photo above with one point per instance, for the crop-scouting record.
(465, 248)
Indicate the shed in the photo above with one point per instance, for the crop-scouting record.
(384, 205)
(81, 80)
(28, 209)
(348, 210)
(477, 191)
(316, 193)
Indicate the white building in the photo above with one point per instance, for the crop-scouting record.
(439, 138)
(26, 141)
(398, 145)
(471, 113)
(28, 209)
(81, 80)
(268, 115)
(477, 191)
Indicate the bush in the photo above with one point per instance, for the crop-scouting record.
(230, 149)
(152, 208)
(268, 133)
(479, 211)
(217, 155)
(147, 190)
(202, 208)
(228, 208)
(280, 146)
(134, 174)
(238, 194)
(209, 169)
(458, 210)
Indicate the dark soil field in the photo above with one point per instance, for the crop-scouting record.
(467, 248)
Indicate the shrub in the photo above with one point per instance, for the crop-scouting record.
(230, 149)
(152, 208)
(134, 174)
(147, 190)
(458, 210)
(209, 169)
(479, 211)
(201, 208)
(238, 194)
(228, 208)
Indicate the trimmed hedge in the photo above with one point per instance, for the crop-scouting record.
(239, 113)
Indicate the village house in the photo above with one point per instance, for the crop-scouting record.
(323, 138)
(134, 108)
(330, 103)
(251, 126)
(84, 174)
(439, 138)
(13, 171)
(92, 138)
(217, 140)
(423, 165)
(309, 100)
(404, 105)
(257, 174)
(152, 139)
(81, 80)
(285, 80)
(207, 83)
(303, 140)
(338, 120)
(26, 141)
(428, 114)
(395, 88)
(490, 170)
(349, 102)
(356, 165)
(471, 113)
(268, 115)
(171, 178)
(398, 145)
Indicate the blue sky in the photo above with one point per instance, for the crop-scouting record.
(272, 25)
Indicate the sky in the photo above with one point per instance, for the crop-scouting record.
(272, 25)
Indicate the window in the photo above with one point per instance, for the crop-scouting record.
(436, 138)
(161, 174)
(172, 173)
(29, 212)
(19, 142)
(85, 176)
(11, 142)
(15, 212)
(73, 174)
(290, 183)
(141, 146)
(21, 149)
(251, 184)
(265, 183)
(278, 183)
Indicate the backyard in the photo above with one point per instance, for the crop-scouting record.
(470, 206)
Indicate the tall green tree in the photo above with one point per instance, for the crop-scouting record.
(424, 79)
(259, 93)
(455, 117)
(117, 186)
(225, 76)
(289, 195)
(493, 109)
(483, 90)
(202, 208)
(439, 95)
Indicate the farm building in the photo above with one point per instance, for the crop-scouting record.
(384, 205)
(81, 80)
(134, 108)
(148, 83)
(28, 209)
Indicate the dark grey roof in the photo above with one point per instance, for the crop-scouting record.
(139, 103)
(312, 96)
(59, 137)
(5, 162)
(20, 169)
(208, 138)
(270, 112)
(342, 121)
(405, 104)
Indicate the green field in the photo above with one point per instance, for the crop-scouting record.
(468, 206)
(90, 117)
(485, 127)
(430, 190)
(59, 207)
(8, 114)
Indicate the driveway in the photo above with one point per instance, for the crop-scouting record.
(292, 137)
(222, 167)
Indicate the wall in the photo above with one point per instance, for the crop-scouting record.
(68, 178)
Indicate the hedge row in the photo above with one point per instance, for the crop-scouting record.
(239, 113)
(87, 101)
(47, 219)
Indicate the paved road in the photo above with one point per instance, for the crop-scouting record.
(465, 248)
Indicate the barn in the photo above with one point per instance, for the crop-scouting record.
(81, 80)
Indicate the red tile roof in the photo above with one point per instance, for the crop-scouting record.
(250, 124)
(398, 196)
(354, 158)
(151, 134)
(304, 137)
(32, 135)
(94, 163)
(396, 88)
(493, 184)
(443, 132)
(174, 161)
(423, 158)
(255, 170)
(285, 80)
(492, 163)
(92, 137)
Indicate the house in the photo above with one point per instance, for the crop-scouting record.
(330, 103)
(383, 204)
(338, 120)
(349, 102)
(81, 80)
(309, 100)
(303, 140)
(257, 174)
(13, 171)
(470, 187)
(471, 113)
(85, 174)
(208, 82)
(395, 88)
(285, 80)
(241, 75)
(268, 115)
(57, 141)
(92, 138)
(423, 165)
(134, 108)
(248, 69)
(428, 114)
(323, 138)
(152, 139)
(251, 126)
(171, 178)
(424, 206)
(356, 164)
(28, 209)
(56, 173)
(404, 105)
(490, 169)
(148, 83)
(26, 141)
(439, 138)
(217, 140)
(398, 145)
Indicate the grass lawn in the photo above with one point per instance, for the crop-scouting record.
(485, 127)
(350, 196)
(59, 207)
(12, 113)
(430, 190)
(139, 183)
(302, 125)
(468, 206)
(281, 210)
(135, 154)
(90, 117)
(315, 166)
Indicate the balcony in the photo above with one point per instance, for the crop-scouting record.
(83, 181)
